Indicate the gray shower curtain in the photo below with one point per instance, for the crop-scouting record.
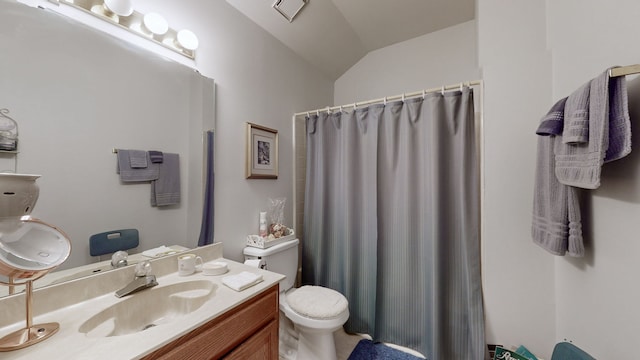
(391, 220)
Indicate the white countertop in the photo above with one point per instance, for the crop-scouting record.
(69, 343)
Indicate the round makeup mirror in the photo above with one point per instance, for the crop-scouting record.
(29, 248)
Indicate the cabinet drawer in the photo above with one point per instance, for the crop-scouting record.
(224, 333)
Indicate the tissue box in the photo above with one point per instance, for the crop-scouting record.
(266, 242)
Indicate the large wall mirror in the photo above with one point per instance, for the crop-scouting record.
(77, 94)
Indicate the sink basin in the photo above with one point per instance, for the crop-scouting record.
(149, 308)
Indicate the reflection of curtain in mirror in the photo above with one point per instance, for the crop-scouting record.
(391, 221)
(206, 229)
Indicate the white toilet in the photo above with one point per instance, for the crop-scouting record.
(315, 311)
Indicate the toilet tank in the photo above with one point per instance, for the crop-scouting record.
(281, 259)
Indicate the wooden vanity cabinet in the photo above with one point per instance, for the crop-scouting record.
(248, 331)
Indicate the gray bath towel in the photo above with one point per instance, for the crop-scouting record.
(556, 224)
(579, 164)
(166, 189)
(129, 174)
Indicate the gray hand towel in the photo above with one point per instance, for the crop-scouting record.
(580, 164)
(576, 116)
(138, 159)
(166, 189)
(129, 174)
(556, 224)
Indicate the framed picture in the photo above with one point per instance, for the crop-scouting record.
(262, 152)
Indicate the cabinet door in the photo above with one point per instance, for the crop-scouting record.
(229, 332)
(261, 346)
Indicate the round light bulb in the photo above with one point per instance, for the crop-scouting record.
(155, 24)
(119, 7)
(187, 39)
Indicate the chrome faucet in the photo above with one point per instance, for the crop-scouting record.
(143, 280)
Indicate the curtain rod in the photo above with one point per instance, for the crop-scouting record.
(395, 97)
(624, 70)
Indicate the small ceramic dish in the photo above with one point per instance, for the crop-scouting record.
(215, 268)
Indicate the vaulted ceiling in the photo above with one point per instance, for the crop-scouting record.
(335, 34)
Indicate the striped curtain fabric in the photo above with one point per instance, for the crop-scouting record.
(391, 221)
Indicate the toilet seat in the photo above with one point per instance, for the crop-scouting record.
(317, 302)
(327, 323)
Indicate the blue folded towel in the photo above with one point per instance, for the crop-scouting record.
(553, 122)
(156, 156)
(166, 189)
(129, 174)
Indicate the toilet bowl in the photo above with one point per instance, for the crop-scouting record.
(314, 311)
(315, 331)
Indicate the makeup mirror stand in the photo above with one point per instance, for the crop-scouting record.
(30, 334)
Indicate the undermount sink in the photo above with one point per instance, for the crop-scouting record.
(149, 308)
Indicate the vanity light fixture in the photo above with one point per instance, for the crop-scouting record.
(151, 26)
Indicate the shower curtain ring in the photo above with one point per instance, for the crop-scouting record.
(402, 97)
(442, 91)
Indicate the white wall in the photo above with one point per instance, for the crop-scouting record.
(258, 80)
(597, 297)
(516, 69)
(445, 57)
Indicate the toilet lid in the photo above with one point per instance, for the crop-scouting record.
(317, 302)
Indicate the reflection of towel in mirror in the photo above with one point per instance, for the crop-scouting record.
(156, 156)
(138, 159)
(608, 128)
(166, 189)
(556, 224)
(130, 174)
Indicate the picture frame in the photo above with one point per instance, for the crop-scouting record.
(262, 152)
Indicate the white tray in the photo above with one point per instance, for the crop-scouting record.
(265, 242)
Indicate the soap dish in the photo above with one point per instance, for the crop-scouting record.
(215, 268)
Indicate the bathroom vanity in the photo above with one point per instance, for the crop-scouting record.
(250, 329)
(194, 316)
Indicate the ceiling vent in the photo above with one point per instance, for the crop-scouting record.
(289, 8)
